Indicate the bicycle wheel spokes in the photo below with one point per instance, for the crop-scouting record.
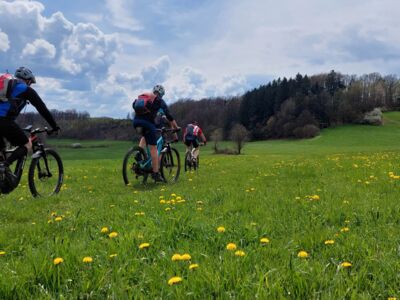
(170, 165)
(46, 174)
(131, 170)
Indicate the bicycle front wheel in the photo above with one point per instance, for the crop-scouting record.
(170, 166)
(46, 173)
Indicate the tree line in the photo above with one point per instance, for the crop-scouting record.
(284, 108)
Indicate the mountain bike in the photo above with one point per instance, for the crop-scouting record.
(190, 161)
(137, 161)
(46, 171)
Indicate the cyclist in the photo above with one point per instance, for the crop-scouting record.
(17, 93)
(145, 117)
(191, 136)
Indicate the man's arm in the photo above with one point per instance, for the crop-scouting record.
(33, 97)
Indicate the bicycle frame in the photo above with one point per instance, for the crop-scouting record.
(147, 163)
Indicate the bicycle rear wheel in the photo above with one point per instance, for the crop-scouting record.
(131, 171)
(188, 162)
(45, 174)
(170, 166)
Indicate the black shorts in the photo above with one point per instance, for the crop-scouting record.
(12, 133)
(194, 142)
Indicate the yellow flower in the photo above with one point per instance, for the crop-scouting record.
(2, 253)
(113, 235)
(186, 257)
(231, 246)
(162, 201)
(167, 209)
(193, 266)
(58, 260)
(264, 241)
(58, 219)
(53, 214)
(344, 229)
(329, 242)
(176, 257)
(302, 254)
(240, 253)
(87, 259)
(173, 195)
(221, 229)
(113, 255)
(144, 245)
(178, 198)
(346, 264)
(104, 230)
(175, 280)
(392, 298)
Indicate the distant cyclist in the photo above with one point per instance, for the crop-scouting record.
(15, 94)
(150, 111)
(191, 136)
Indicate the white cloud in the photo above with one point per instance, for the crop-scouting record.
(4, 42)
(121, 15)
(156, 72)
(39, 49)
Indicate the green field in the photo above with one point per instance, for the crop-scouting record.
(341, 187)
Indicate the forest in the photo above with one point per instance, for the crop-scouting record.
(284, 108)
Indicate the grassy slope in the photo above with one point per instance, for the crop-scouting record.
(262, 193)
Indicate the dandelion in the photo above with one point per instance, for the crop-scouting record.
(58, 219)
(329, 242)
(392, 298)
(162, 201)
(2, 253)
(113, 255)
(167, 209)
(221, 229)
(344, 229)
(346, 264)
(199, 202)
(176, 257)
(87, 260)
(113, 235)
(186, 256)
(231, 247)
(173, 195)
(193, 266)
(144, 245)
(175, 280)
(264, 241)
(302, 254)
(240, 253)
(58, 260)
(104, 230)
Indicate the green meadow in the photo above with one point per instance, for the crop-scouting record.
(308, 219)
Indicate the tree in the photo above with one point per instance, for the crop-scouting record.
(216, 137)
(239, 135)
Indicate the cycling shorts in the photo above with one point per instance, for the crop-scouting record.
(150, 131)
(12, 133)
(193, 142)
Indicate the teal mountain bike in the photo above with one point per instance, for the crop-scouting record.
(137, 161)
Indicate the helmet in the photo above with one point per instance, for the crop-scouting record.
(159, 89)
(25, 73)
(195, 123)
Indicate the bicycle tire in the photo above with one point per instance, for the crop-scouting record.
(170, 167)
(188, 162)
(129, 164)
(35, 167)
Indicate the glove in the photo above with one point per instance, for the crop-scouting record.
(55, 130)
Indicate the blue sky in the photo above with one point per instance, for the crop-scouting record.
(97, 55)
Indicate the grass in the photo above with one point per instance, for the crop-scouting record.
(298, 194)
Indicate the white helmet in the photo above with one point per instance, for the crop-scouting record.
(25, 73)
(159, 89)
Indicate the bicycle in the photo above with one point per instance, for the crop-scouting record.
(190, 161)
(46, 171)
(137, 161)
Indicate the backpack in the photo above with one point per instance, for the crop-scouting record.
(142, 105)
(190, 131)
(5, 86)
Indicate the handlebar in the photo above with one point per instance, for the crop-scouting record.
(38, 130)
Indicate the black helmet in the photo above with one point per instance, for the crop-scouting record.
(25, 73)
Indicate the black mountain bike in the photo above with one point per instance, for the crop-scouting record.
(46, 171)
(192, 163)
(137, 161)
